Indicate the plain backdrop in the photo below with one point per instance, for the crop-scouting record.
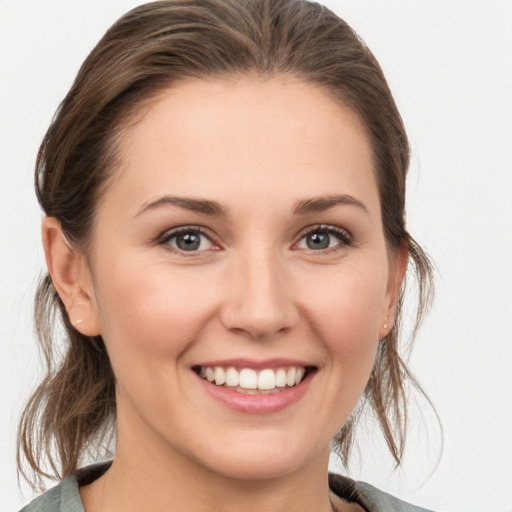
(449, 65)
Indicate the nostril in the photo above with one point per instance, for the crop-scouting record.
(259, 325)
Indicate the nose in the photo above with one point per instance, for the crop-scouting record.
(259, 297)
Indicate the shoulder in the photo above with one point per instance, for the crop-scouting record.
(369, 497)
(65, 497)
(380, 501)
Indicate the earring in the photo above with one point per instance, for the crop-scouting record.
(77, 321)
(386, 322)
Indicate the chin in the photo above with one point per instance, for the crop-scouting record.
(258, 468)
(257, 457)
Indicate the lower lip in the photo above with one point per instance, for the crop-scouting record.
(257, 404)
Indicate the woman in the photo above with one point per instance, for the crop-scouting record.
(224, 191)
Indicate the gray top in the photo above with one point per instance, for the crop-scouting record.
(65, 497)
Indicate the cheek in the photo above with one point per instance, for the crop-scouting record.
(346, 313)
(150, 310)
(351, 304)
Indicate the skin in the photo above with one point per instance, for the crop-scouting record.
(254, 290)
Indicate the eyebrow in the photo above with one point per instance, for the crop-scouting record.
(197, 205)
(207, 207)
(321, 204)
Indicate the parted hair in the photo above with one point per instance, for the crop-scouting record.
(148, 50)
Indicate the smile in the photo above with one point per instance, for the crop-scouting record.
(250, 381)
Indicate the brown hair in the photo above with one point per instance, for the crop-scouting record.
(148, 50)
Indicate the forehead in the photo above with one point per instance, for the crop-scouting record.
(279, 136)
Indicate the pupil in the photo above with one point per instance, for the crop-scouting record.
(318, 241)
(188, 241)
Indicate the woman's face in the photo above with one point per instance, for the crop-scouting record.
(241, 240)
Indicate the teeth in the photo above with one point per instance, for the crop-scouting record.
(281, 378)
(266, 379)
(220, 376)
(248, 379)
(290, 377)
(232, 378)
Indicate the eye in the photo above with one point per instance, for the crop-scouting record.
(187, 240)
(321, 238)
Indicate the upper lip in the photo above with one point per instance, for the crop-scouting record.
(254, 363)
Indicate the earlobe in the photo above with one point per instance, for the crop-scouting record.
(396, 278)
(70, 278)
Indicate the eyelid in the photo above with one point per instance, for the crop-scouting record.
(346, 238)
(168, 234)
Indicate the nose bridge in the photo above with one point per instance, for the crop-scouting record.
(259, 299)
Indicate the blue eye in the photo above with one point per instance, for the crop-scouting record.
(323, 238)
(187, 240)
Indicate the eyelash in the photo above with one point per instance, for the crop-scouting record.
(166, 237)
(344, 237)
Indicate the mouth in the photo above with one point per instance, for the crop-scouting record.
(251, 381)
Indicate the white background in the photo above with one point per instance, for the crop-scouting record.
(449, 64)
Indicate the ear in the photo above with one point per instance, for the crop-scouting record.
(396, 278)
(71, 278)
